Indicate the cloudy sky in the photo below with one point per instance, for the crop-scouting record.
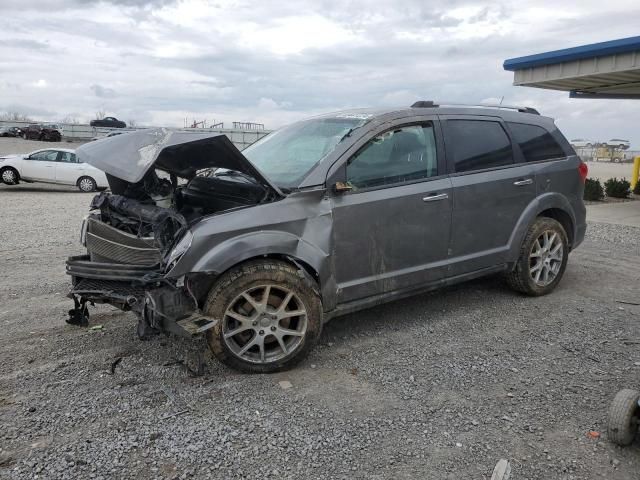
(160, 61)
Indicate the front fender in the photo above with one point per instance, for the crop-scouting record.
(238, 249)
(543, 202)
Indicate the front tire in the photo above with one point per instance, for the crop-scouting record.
(87, 184)
(543, 258)
(270, 317)
(623, 417)
(9, 176)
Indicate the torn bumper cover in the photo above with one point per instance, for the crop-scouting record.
(161, 305)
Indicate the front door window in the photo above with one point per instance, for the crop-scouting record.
(401, 155)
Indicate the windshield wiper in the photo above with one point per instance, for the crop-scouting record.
(348, 134)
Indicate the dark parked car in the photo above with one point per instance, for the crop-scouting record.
(110, 122)
(49, 132)
(322, 218)
(10, 132)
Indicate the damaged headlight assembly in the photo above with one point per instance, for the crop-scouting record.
(181, 247)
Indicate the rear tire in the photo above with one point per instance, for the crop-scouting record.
(9, 176)
(87, 184)
(543, 258)
(623, 417)
(258, 301)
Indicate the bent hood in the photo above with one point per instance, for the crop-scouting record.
(131, 155)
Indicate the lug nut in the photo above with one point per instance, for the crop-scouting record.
(273, 328)
(255, 322)
(261, 332)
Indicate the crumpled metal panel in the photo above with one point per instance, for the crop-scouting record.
(298, 226)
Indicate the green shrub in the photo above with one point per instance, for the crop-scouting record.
(636, 189)
(617, 188)
(593, 190)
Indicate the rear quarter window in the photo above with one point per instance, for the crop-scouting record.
(535, 142)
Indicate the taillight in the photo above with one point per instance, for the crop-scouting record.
(583, 170)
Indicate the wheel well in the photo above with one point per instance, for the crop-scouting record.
(204, 281)
(10, 168)
(562, 217)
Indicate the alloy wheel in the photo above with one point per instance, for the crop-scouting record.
(86, 185)
(8, 176)
(546, 257)
(265, 324)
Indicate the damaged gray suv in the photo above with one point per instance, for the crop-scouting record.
(327, 216)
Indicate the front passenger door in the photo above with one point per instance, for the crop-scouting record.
(391, 231)
(40, 166)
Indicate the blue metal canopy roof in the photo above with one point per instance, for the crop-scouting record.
(600, 70)
(611, 47)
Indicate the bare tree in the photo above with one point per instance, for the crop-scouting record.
(70, 119)
(100, 114)
(132, 123)
(15, 117)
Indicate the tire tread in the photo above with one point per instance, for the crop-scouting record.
(622, 410)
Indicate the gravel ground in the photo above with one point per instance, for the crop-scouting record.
(438, 386)
(20, 145)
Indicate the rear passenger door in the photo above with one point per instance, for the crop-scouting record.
(491, 189)
(40, 166)
(68, 170)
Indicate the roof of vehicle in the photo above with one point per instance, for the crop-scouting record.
(436, 108)
(54, 149)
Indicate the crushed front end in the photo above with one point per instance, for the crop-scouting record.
(130, 244)
(162, 182)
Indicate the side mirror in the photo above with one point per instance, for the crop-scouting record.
(341, 187)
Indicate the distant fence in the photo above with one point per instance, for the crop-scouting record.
(241, 138)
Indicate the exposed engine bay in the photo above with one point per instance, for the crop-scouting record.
(157, 210)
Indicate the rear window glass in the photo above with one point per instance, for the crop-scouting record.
(535, 142)
(478, 144)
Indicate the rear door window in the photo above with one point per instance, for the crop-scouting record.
(67, 157)
(535, 142)
(478, 144)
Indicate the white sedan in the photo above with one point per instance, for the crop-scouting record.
(51, 165)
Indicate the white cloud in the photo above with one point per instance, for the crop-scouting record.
(159, 61)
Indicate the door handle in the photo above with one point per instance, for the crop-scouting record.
(435, 197)
(523, 181)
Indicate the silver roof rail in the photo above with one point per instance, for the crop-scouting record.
(432, 104)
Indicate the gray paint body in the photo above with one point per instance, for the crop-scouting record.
(373, 245)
